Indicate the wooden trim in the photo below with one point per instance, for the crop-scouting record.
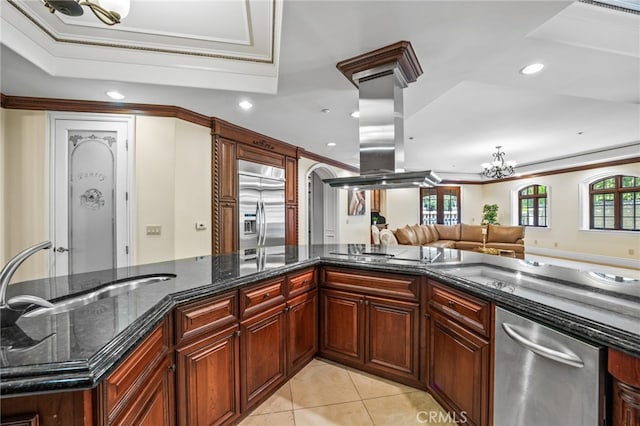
(624, 367)
(326, 160)
(547, 173)
(74, 105)
(400, 53)
(215, 194)
(249, 137)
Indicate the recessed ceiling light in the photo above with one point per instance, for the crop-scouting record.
(113, 94)
(331, 144)
(355, 114)
(245, 105)
(325, 110)
(532, 69)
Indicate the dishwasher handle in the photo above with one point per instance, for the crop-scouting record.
(570, 359)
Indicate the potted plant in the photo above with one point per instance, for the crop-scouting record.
(490, 214)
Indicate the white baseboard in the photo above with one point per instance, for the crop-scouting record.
(585, 257)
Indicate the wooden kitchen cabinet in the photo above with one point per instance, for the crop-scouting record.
(368, 331)
(392, 336)
(291, 225)
(208, 385)
(458, 356)
(625, 392)
(263, 354)
(291, 180)
(153, 404)
(342, 333)
(208, 360)
(302, 330)
(140, 390)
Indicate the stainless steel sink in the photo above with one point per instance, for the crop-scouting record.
(103, 292)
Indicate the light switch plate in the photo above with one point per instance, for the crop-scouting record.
(154, 229)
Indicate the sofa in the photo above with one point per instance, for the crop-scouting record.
(460, 236)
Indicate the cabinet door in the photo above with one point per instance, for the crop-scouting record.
(208, 379)
(291, 225)
(154, 405)
(342, 336)
(263, 354)
(228, 227)
(228, 171)
(392, 336)
(459, 369)
(291, 183)
(302, 327)
(626, 404)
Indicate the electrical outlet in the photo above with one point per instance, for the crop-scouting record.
(535, 242)
(632, 251)
(154, 229)
(555, 244)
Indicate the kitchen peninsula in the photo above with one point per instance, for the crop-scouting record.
(249, 327)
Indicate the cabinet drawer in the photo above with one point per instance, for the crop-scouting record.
(199, 317)
(300, 282)
(261, 296)
(379, 284)
(124, 383)
(469, 311)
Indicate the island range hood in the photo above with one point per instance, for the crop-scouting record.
(380, 77)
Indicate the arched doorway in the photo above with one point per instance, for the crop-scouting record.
(322, 201)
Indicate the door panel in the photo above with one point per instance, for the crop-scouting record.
(343, 326)
(302, 321)
(90, 210)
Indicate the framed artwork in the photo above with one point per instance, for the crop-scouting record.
(355, 203)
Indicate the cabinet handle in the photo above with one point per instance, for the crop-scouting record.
(427, 316)
(237, 333)
(287, 309)
(304, 282)
(266, 296)
(451, 303)
(361, 301)
(172, 367)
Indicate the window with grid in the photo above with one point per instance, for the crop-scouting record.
(614, 203)
(532, 206)
(440, 205)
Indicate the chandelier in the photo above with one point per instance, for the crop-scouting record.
(110, 12)
(498, 168)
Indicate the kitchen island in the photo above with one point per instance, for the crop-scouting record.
(77, 351)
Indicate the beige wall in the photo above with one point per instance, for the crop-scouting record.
(402, 207)
(564, 237)
(172, 188)
(25, 178)
(192, 190)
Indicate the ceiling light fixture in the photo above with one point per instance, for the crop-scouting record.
(498, 168)
(532, 69)
(110, 12)
(113, 94)
(245, 105)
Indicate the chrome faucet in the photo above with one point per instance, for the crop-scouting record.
(11, 310)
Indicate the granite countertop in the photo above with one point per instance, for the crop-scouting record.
(78, 348)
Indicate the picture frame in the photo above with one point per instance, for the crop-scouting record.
(356, 203)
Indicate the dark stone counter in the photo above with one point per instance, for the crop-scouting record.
(77, 349)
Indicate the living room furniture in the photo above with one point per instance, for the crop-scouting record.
(461, 237)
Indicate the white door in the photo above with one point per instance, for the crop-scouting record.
(90, 192)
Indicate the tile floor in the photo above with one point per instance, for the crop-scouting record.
(324, 393)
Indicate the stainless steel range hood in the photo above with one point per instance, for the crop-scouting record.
(380, 77)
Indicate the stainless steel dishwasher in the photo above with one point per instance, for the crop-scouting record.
(543, 377)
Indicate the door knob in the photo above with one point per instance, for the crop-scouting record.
(61, 249)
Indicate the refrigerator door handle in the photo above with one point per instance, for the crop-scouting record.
(261, 234)
(562, 357)
(258, 221)
(264, 224)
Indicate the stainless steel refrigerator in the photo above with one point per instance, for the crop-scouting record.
(261, 211)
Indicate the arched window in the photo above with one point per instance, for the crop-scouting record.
(614, 203)
(532, 206)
